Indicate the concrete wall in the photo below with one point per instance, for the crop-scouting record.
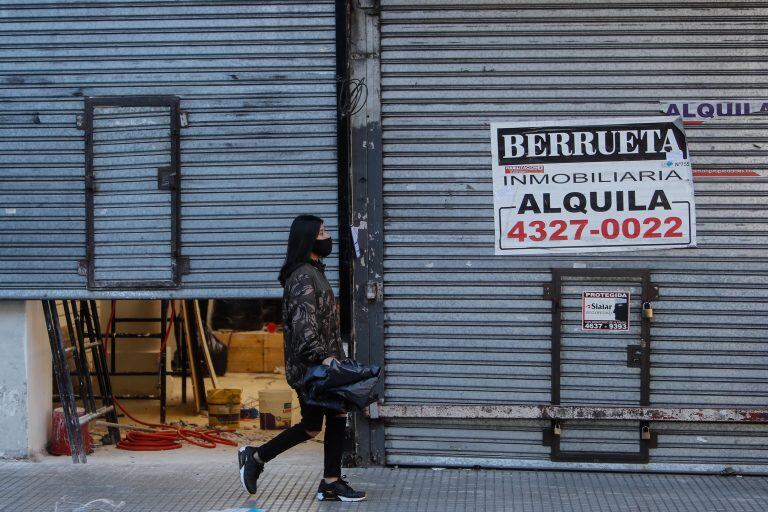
(25, 379)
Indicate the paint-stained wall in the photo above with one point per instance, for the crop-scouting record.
(25, 396)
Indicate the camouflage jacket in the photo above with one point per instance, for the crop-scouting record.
(310, 323)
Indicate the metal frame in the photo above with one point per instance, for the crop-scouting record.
(90, 314)
(112, 336)
(178, 263)
(162, 373)
(346, 244)
(367, 214)
(346, 249)
(553, 292)
(82, 322)
(63, 383)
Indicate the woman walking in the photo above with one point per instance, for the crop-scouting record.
(311, 335)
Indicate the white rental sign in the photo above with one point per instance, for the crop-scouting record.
(591, 186)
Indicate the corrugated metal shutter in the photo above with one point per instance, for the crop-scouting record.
(593, 364)
(464, 326)
(593, 370)
(132, 218)
(257, 80)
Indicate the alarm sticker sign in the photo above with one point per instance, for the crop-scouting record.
(605, 311)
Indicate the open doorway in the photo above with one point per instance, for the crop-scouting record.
(206, 364)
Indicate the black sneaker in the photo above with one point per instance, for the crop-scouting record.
(338, 491)
(250, 468)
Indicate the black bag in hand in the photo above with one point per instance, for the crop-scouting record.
(343, 382)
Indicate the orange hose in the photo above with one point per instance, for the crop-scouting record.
(150, 441)
(170, 326)
(171, 438)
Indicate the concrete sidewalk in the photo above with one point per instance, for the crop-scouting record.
(194, 479)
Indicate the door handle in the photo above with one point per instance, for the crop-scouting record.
(166, 180)
(634, 356)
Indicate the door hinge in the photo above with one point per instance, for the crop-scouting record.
(374, 291)
(166, 180)
(183, 264)
(548, 437)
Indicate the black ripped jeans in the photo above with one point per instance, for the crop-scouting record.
(312, 421)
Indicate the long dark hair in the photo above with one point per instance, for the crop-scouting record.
(304, 231)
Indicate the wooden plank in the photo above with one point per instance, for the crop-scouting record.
(255, 352)
(125, 427)
(204, 342)
(191, 355)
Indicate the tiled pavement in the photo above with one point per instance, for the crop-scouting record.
(197, 480)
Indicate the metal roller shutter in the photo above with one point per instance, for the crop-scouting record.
(132, 218)
(464, 326)
(257, 81)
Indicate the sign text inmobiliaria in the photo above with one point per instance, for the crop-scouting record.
(592, 185)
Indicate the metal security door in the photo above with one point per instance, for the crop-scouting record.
(447, 70)
(602, 360)
(132, 192)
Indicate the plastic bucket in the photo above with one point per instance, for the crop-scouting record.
(224, 408)
(58, 444)
(275, 408)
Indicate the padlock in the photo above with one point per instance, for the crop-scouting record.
(646, 434)
(557, 430)
(647, 310)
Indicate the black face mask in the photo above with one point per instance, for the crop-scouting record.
(323, 247)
